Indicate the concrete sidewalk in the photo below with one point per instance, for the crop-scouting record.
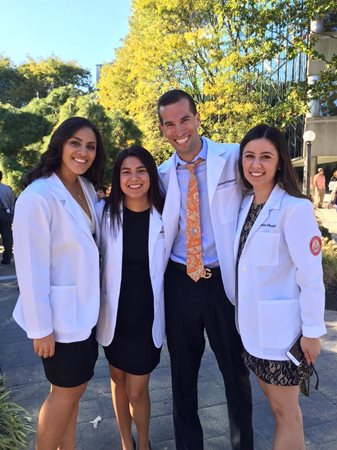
(25, 378)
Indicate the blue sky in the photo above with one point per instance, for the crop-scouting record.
(86, 31)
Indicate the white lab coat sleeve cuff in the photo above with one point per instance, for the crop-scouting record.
(38, 334)
(314, 332)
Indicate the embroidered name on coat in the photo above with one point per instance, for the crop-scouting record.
(227, 182)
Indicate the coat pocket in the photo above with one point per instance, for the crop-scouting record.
(278, 322)
(63, 302)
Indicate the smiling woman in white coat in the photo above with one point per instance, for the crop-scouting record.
(280, 291)
(131, 319)
(57, 265)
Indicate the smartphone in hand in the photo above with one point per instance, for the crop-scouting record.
(295, 353)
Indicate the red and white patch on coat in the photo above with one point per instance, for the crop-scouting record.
(316, 245)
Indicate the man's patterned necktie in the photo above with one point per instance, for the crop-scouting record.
(194, 261)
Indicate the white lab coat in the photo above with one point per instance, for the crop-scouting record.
(57, 262)
(280, 280)
(224, 194)
(111, 248)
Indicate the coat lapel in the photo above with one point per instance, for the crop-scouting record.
(273, 202)
(244, 209)
(117, 242)
(92, 199)
(156, 226)
(73, 209)
(172, 207)
(111, 244)
(214, 168)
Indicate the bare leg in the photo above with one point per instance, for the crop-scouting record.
(137, 388)
(69, 438)
(283, 401)
(120, 402)
(57, 418)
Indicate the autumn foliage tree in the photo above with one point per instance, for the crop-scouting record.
(231, 55)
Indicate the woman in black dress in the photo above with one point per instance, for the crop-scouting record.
(131, 321)
(57, 265)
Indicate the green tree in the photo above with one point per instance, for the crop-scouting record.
(48, 74)
(18, 130)
(50, 106)
(10, 81)
(37, 78)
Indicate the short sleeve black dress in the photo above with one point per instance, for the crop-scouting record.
(132, 349)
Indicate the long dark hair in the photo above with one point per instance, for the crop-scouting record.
(51, 159)
(115, 200)
(285, 176)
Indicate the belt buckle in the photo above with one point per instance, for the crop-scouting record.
(208, 273)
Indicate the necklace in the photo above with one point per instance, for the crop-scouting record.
(75, 189)
(77, 194)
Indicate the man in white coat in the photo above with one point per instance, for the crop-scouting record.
(201, 299)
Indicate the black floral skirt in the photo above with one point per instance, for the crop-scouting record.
(278, 373)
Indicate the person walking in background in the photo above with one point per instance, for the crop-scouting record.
(7, 201)
(319, 183)
(332, 190)
(280, 290)
(333, 196)
(333, 181)
(57, 265)
(131, 324)
(203, 195)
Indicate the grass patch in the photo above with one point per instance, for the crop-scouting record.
(13, 429)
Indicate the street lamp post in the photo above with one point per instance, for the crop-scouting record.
(308, 137)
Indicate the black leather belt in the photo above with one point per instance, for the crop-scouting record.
(210, 272)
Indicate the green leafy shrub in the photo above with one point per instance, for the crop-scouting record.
(329, 250)
(13, 430)
(325, 232)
